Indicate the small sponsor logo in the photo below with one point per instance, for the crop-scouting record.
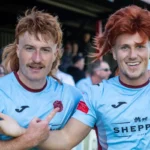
(22, 109)
(118, 105)
(83, 107)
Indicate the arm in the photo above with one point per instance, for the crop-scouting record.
(67, 138)
(9, 126)
(36, 133)
(15, 144)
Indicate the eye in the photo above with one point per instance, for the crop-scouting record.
(125, 47)
(29, 48)
(140, 46)
(46, 50)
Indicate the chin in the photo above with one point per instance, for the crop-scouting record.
(35, 78)
(134, 76)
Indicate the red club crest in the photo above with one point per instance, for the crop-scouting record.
(59, 104)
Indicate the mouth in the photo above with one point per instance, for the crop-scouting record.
(133, 63)
(35, 67)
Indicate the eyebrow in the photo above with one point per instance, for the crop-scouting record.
(140, 44)
(47, 47)
(136, 43)
(119, 46)
(124, 45)
(28, 45)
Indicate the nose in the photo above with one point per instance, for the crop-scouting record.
(36, 56)
(133, 54)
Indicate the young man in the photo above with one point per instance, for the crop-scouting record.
(119, 107)
(28, 94)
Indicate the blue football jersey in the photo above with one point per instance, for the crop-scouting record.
(120, 112)
(23, 104)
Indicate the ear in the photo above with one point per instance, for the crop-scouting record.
(114, 53)
(17, 50)
(56, 54)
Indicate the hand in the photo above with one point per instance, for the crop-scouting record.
(9, 126)
(38, 130)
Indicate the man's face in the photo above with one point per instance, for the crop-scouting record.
(81, 63)
(132, 56)
(35, 57)
(104, 71)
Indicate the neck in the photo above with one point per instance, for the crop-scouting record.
(136, 81)
(95, 80)
(32, 84)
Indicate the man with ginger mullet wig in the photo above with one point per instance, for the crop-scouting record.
(29, 94)
(118, 107)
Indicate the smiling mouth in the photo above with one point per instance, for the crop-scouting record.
(133, 63)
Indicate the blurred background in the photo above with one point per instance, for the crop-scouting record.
(77, 17)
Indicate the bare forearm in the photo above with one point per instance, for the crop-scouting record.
(72, 134)
(15, 144)
(23, 142)
(57, 140)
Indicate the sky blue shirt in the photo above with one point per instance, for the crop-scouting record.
(23, 104)
(121, 114)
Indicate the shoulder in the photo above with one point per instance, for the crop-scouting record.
(71, 89)
(82, 81)
(71, 93)
(7, 80)
(7, 77)
(7, 83)
(65, 88)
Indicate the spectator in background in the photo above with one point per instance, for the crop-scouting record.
(98, 71)
(85, 44)
(76, 70)
(65, 78)
(75, 48)
(85, 47)
(66, 59)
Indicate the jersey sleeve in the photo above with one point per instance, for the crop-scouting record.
(70, 98)
(86, 109)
